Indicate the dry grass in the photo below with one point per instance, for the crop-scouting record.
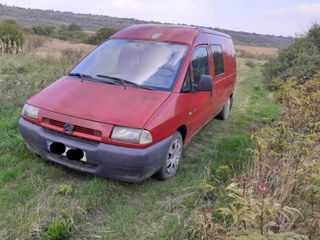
(53, 48)
(90, 32)
(259, 53)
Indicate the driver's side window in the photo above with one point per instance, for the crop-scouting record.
(200, 63)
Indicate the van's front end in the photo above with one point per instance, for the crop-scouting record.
(95, 118)
(50, 140)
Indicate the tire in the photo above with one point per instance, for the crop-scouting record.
(173, 158)
(224, 114)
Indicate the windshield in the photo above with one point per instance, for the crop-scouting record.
(147, 63)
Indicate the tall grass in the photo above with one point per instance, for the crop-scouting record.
(24, 75)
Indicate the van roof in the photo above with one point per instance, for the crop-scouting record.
(165, 33)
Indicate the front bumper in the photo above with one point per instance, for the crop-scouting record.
(123, 163)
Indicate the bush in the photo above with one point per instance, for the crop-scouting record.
(74, 27)
(300, 60)
(11, 37)
(223, 173)
(281, 198)
(43, 30)
(101, 35)
(250, 64)
(287, 154)
(70, 33)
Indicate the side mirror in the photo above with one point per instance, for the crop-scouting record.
(205, 83)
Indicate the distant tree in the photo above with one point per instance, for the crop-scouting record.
(74, 27)
(43, 30)
(11, 36)
(101, 35)
(72, 33)
(314, 35)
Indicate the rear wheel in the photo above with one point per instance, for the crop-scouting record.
(173, 157)
(224, 114)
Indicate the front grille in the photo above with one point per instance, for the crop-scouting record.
(83, 140)
(76, 127)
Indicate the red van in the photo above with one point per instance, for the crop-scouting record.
(127, 109)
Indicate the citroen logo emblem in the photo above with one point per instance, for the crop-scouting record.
(68, 127)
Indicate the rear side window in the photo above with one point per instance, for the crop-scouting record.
(217, 60)
(200, 63)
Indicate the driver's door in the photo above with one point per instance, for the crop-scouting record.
(201, 111)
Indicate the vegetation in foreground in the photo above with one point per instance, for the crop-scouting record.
(41, 200)
(279, 196)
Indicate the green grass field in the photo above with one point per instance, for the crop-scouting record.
(31, 198)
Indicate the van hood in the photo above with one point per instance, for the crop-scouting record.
(100, 102)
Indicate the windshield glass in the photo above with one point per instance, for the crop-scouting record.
(147, 63)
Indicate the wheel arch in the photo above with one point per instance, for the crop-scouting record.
(183, 131)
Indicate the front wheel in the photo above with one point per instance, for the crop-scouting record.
(224, 114)
(173, 158)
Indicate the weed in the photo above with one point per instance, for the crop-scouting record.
(223, 173)
(58, 230)
(65, 189)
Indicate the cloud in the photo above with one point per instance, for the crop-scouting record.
(309, 11)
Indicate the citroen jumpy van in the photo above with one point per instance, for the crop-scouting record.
(127, 109)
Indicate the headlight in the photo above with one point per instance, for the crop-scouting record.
(30, 111)
(131, 135)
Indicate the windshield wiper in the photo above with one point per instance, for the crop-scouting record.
(124, 81)
(81, 75)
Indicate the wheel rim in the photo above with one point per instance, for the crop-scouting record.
(173, 156)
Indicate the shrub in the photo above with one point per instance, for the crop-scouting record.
(300, 60)
(250, 64)
(287, 153)
(11, 37)
(59, 230)
(73, 35)
(223, 173)
(74, 27)
(101, 35)
(281, 199)
(207, 191)
(201, 226)
(43, 30)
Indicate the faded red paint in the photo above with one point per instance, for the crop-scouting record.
(102, 106)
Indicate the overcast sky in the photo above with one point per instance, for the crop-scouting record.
(280, 17)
